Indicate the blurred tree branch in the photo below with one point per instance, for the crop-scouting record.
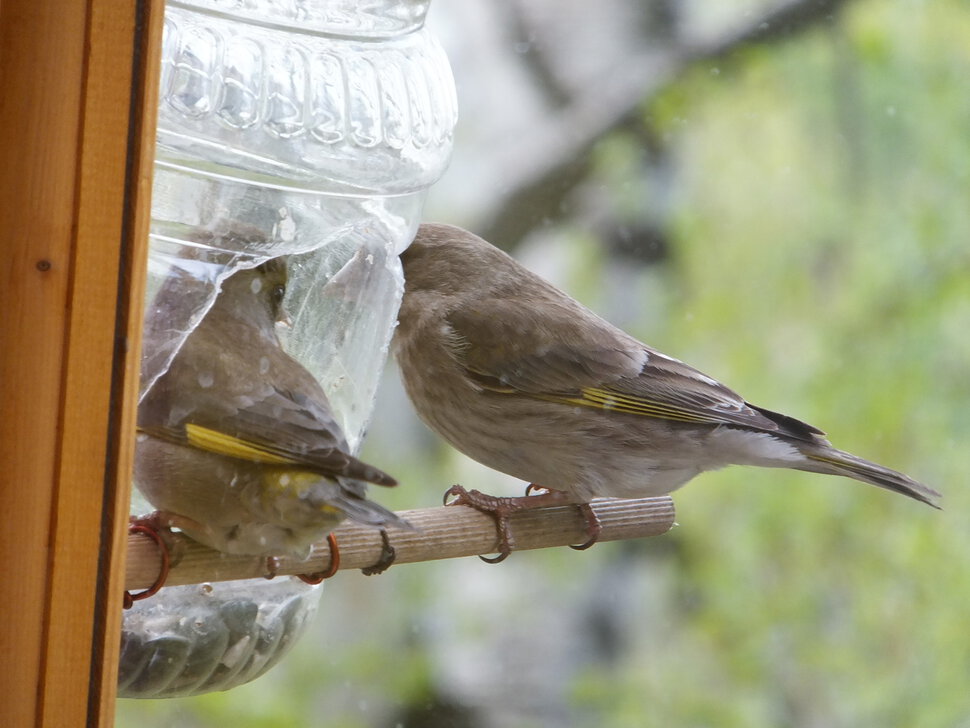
(536, 59)
(545, 168)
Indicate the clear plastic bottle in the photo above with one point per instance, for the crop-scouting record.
(306, 128)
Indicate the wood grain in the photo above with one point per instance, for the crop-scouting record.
(439, 533)
(76, 143)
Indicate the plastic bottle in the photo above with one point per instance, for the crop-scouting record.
(306, 128)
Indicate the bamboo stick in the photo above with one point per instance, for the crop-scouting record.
(440, 533)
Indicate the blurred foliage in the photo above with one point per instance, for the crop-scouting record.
(819, 264)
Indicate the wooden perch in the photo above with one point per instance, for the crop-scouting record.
(440, 533)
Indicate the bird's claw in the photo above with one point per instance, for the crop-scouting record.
(501, 508)
(498, 508)
(593, 527)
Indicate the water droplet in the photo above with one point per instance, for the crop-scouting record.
(285, 228)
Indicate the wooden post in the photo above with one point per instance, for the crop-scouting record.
(78, 96)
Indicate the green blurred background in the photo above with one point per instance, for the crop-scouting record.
(792, 218)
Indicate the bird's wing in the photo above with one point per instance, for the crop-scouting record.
(539, 352)
(669, 389)
(275, 427)
(568, 355)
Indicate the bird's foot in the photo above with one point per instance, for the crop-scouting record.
(502, 508)
(153, 527)
(498, 508)
(593, 525)
(386, 558)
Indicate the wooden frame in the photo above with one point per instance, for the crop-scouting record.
(78, 96)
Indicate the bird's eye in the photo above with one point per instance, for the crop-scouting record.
(277, 294)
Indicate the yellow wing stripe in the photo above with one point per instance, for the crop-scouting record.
(615, 402)
(842, 464)
(636, 405)
(222, 444)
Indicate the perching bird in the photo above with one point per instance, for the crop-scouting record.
(236, 442)
(524, 379)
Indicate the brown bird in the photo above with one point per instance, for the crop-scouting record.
(237, 445)
(524, 379)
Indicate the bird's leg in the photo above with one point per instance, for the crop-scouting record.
(498, 508)
(593, 526)
(320, 576)
(502, 508)
(153, 527)
(386, 558)
(165, 521)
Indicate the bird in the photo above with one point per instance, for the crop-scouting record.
(521, 377)
(237, 445)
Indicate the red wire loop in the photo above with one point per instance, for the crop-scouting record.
(153, 534)
(321, 576)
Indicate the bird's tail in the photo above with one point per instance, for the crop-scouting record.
(363, 510)
(836, 462)
(354, 468)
